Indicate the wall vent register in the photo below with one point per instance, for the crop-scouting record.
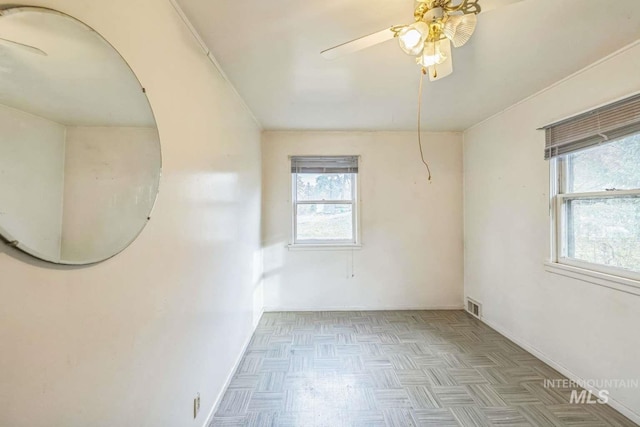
(474, 308)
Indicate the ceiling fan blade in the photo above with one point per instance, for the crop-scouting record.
(358, 44)
(488, 5)
(24, 47)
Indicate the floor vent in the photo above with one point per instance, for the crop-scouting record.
(474, 308)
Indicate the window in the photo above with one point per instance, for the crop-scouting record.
(324, 200)
(596, 180)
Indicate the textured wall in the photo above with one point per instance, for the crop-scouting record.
(129, 342)
(31, 180)
(587, 329)
(110, 186)
(411, 254)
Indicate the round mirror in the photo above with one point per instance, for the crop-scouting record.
(79, 148)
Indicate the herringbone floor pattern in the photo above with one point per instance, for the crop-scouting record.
(395, 368)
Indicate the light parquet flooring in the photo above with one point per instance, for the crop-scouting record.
(395, 368)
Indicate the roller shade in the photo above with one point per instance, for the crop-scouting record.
(601, 125)
(324, 164)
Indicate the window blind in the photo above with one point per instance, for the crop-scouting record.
(324, 164)
(599, 126)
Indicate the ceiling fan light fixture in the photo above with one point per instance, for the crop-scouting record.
(412, 37)
(440, 71)
(437, 25)
(460, 28)
(435, 53)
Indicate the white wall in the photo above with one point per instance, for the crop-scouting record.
(129, 342)
(411, 254)
(110, 186)
(31, 180)
(590, 331)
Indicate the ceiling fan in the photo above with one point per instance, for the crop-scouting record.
(23, 46)
(437, 24)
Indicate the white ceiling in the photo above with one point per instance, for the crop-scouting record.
(82, 82)
(270, 52)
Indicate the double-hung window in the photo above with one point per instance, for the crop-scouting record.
(324, 198)
(596, 187)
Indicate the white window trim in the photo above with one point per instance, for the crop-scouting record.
(602, 275)
(323, 247)
(594, 277)
(326, 245)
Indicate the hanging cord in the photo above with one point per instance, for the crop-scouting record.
(423, 72)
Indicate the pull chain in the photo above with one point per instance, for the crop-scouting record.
(423, 72)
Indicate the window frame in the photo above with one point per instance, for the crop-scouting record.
(559, 176)
(354, 242)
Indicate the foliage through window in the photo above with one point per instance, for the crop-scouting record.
(324, 199)
(598, 207)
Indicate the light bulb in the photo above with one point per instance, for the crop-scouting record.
(432, 55)
(412, 37)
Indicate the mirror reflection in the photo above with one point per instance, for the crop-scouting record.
(79, 148)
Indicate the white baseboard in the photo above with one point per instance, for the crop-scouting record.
(218, 400)
(627, 412)
(364, 308)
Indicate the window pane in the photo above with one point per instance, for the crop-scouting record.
(324, 186)
(605, 231)
(613, 165)
(324, 222)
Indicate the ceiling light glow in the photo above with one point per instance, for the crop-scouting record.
(411, 38)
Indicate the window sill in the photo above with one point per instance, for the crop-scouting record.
(324, 247)
(618, 283)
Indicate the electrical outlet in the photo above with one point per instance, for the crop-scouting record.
(196, 405)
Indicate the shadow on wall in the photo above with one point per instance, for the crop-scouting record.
(273, 262)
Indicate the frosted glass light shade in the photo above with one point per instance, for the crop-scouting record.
(412, 37)
(440, 71)
(435, 53)
(460, 28)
